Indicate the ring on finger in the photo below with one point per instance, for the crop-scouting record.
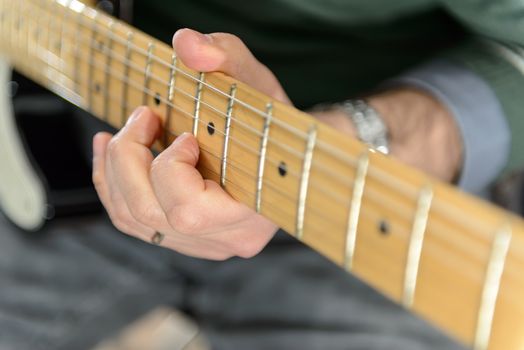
(157, 238)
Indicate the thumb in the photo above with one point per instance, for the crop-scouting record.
(226, 53)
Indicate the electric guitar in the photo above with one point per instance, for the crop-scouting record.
(452, 258)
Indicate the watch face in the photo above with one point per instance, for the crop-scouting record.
(369, 125)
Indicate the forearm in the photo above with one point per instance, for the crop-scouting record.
(422, 132)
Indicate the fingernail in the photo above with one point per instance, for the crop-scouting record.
(181, 138)
(204, 38)
(135, 114)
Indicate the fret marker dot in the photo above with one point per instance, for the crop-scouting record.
(157, 99)
(383, 227)
(97, 88)
(282, 169)
(210, 128)
(100, 45)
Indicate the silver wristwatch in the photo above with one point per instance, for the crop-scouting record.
(368, 124)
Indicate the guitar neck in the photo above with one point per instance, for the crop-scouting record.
(444, 254)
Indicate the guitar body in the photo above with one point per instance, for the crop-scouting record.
(23, 194)
(46, 145)
(35, 187)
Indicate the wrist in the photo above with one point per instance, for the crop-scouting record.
(422, 131)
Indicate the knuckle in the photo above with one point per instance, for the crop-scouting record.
(185, 221)
(233, 39)
(121, 217)
(114, 148)
(144, 213)
(157, 166)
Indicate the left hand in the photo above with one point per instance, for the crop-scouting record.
(145, 195)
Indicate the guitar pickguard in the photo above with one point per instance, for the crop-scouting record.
(22, 194)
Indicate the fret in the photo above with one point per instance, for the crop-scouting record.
(6, 25)
(16, 15)
(76, 51)
(5, 20)
(40, 39)
(50, 31)
(31, 49)
(65, 20)
(49, 47)
(198, 97)
(107, 78)
(55, 30)
(170, 96)
(304, 180)
(52, 53)
(354, 210)
(490, 290)
(91, 68)
(125, 82)
(77, 6)
(11, 37)
(147, 74)
(262, 157)
(18, 24)
(29, 13)
(227, 130)
(415, 245)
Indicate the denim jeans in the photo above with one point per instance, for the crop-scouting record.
(80, 281)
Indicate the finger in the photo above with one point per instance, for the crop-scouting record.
(193, 247)
(192, 204)
(100, 142)
(226, 53)
(116, 209)
(179, 161)
(130, 161)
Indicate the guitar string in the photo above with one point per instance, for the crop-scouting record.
(332, 194)
(246, 191)
(190, 95)
(286, 148)
(137, 86)
(384, 174)
(255, 152)
(471, 222)
(248, 174)
(436, 204)
(267, 182)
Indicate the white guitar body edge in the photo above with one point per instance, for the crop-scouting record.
(22, 193)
